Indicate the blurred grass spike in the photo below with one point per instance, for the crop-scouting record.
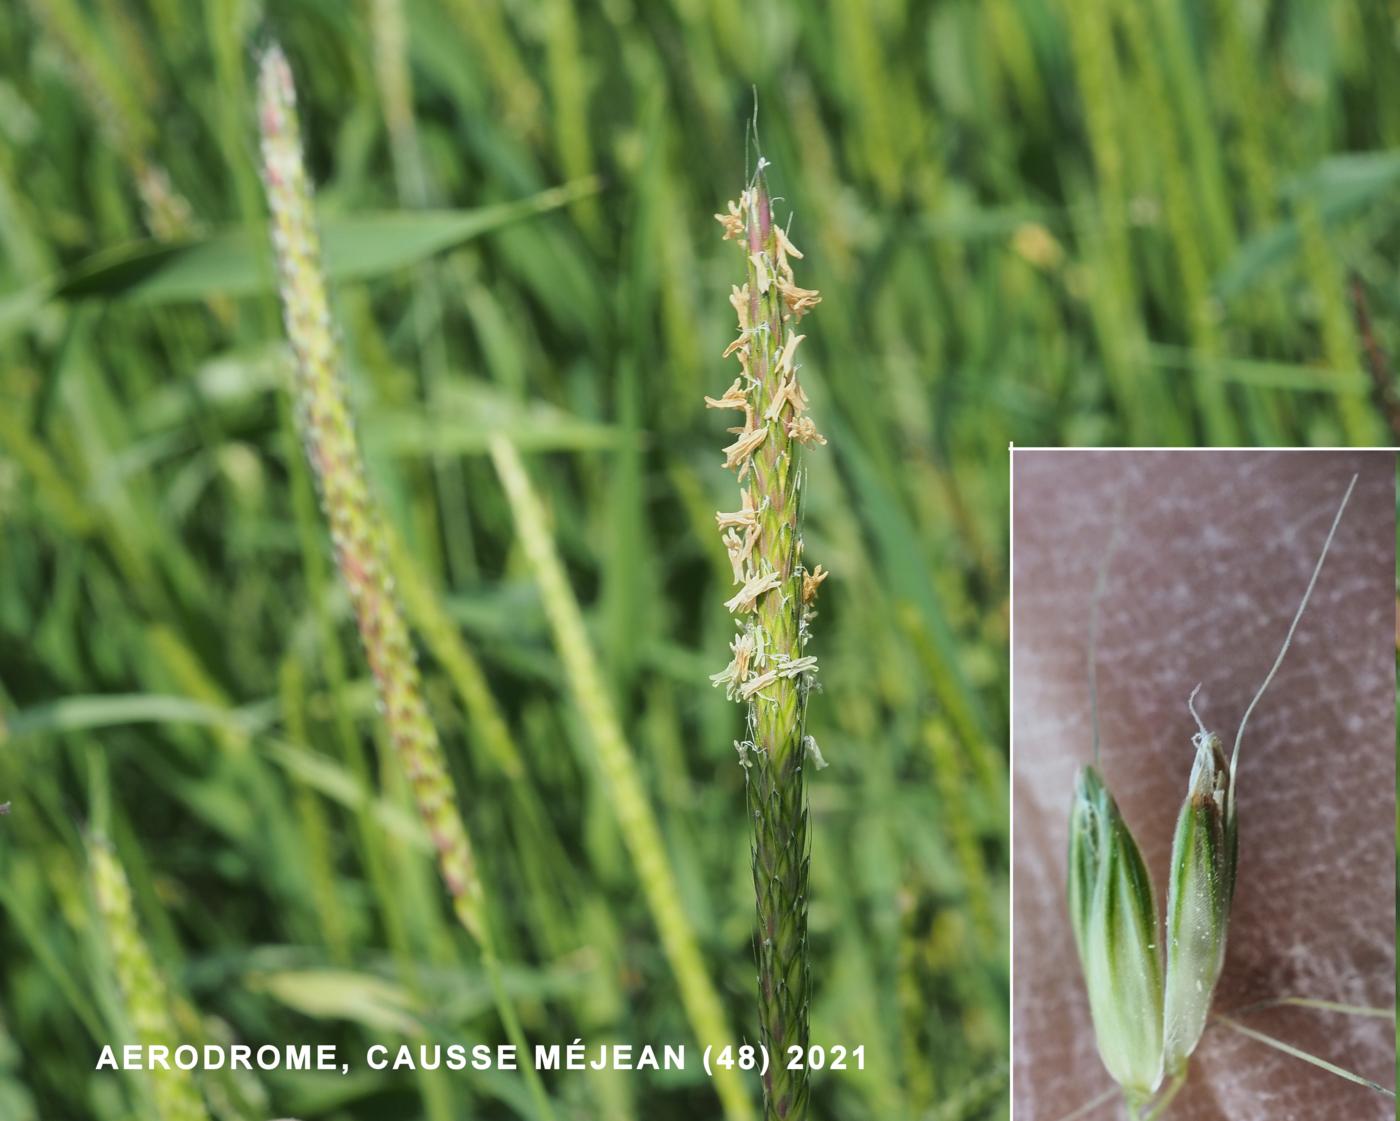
(772, 609)
(124, 122)
(145, 999)
(323, 414)
(360, 541)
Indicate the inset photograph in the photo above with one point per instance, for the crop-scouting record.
(1203, 784)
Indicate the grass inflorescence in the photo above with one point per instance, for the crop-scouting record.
(145, 998)
(362, 555)
(360, 539)
(770, 671)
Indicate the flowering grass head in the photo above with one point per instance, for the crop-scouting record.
(769, 672)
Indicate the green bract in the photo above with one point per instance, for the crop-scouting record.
(1198, 899)
(1114, 914)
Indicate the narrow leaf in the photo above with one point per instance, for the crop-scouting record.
(357, 246)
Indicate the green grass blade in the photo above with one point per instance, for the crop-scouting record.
(357, 247)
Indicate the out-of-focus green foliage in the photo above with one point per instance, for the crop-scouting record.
(1032, 220)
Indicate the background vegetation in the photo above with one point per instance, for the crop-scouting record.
(1090, 221)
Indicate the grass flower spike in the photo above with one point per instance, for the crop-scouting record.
(145, 998)
(769, 672)
(361, 542)
(323, 412)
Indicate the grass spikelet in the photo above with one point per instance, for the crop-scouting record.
(1198, 900)
(769, 671)
(360, 541)
(1204, 855)
(1114, 914)
(1146, 1025)
(144, 995)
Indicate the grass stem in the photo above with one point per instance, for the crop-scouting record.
(617, 767)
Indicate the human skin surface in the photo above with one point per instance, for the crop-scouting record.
(1213, 556)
